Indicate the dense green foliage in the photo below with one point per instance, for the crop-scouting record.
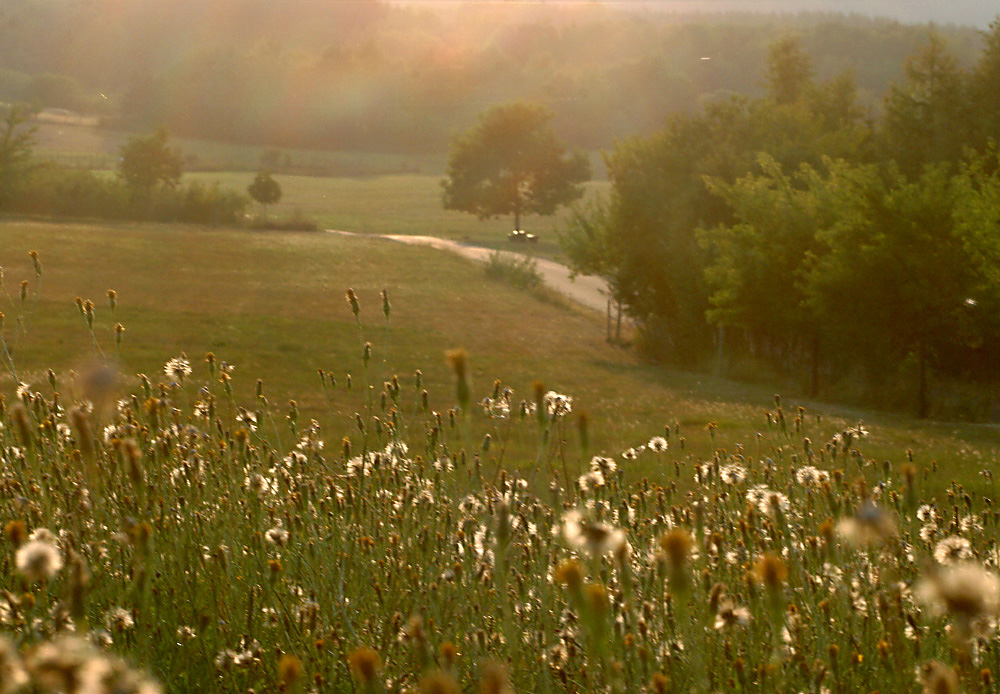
(794, 231)
(397, 77)
(511, 163)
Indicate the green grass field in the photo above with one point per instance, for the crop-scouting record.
(394, 204)
(204, 535)
(362, 192)
(273, 304)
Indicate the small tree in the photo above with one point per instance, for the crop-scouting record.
(511, 162)
(147, 161)
(265, 190)
(16, 143)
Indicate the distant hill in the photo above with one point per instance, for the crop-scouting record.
(403, 77)
(975, 13)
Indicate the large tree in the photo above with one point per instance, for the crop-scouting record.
(512, 163)
(659, 197)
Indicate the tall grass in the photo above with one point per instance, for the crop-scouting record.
(230, 543)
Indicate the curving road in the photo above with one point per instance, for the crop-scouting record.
(585, 290)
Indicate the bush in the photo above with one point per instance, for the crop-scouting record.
(519, 271)
(197, 203)
(57, 191)
(53, 190)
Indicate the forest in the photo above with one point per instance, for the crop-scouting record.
(396, 78)
(792, 235)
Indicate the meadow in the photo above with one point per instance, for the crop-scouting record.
(362, 192)
(190, 526)
(261, 482)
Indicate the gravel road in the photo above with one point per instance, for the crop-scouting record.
(585, 290)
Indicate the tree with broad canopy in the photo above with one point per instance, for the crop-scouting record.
(512, 163)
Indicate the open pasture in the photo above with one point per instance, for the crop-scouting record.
(395, 204)
(225, 542)
(273, 305)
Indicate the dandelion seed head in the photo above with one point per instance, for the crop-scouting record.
(967, 592)
(732, 473)
(178, 368)
(38, 560)
(557, 404)
(953, 550)
(658, 444)
(277, 536)
(595, 538)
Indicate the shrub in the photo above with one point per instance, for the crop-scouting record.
(517, 270)
(57, 191)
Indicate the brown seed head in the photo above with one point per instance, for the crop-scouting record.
(289, 669)
(676, 545)
(458, 360)
(493, 679)
(364, 664)
(938, 678)
(449, 654)
(570, 574)
(16, 532)
(438, 682)
(596, 596)
(770, 571)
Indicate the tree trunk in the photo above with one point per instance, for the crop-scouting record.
(720, 349)
(814, 376)
(922, 404)
(618, 325)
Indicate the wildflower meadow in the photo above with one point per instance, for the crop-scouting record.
(161, 534)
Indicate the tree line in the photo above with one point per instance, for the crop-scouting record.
(796, 233)
(399, 78)
(146, 186)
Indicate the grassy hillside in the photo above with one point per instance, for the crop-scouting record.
(273, 304)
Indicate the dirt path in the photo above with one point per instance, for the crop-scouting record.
(587, 290)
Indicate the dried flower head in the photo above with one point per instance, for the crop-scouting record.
(276, 536)
(869, 526)
(658, 444)
(730, 614)
(676, 546)
(178, 368)
(952, 550)
(438, 682)
(290, 670)
(770, 571)
(569, 573)
(966, 592)
(597, 539)
(938, 678)
(12, 673)
(119, 619)
(38, 560)
(493, 679)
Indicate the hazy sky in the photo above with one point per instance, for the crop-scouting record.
(977, 13)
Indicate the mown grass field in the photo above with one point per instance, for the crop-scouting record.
(395, 204)
(363, 192)
(273, 304)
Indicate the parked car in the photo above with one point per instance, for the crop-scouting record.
(518, 236)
